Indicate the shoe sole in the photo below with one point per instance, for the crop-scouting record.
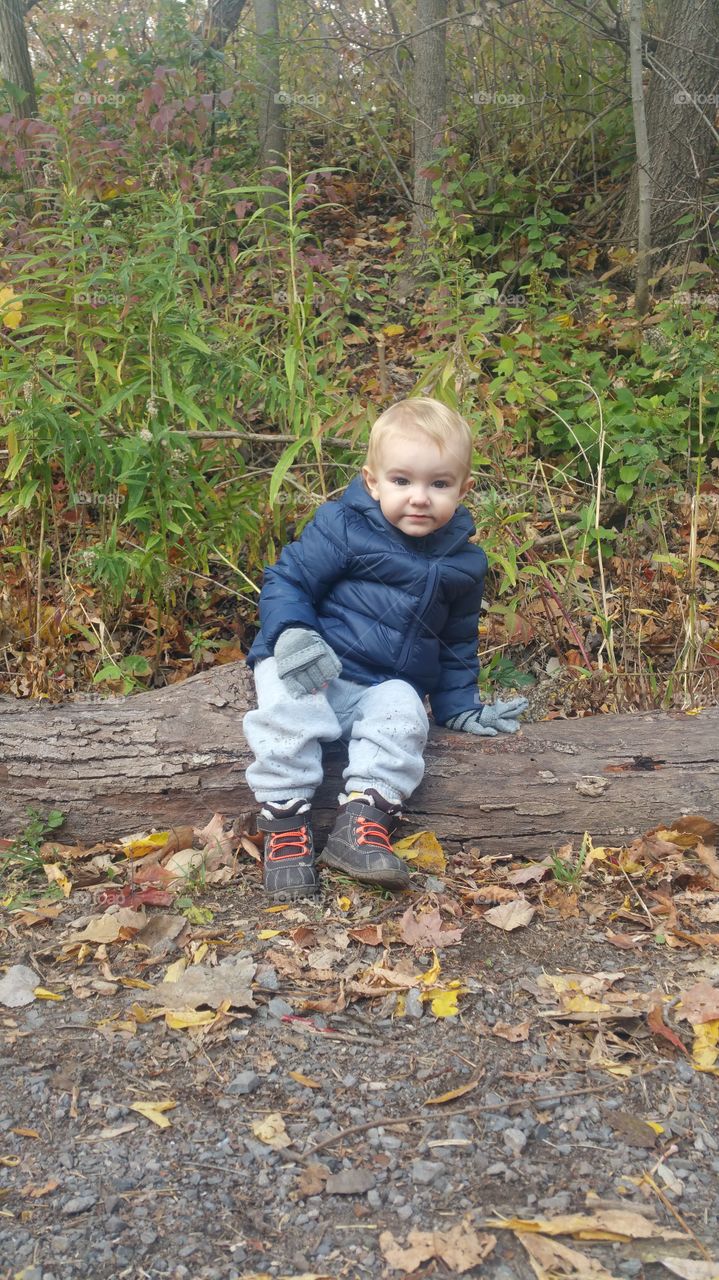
(386, 879)
(293, 895)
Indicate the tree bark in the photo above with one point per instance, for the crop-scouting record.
(176, 756)
(220, 21)
(270, 110)
(681, 106)
(644, 172)
(15, 61)
(429, 100)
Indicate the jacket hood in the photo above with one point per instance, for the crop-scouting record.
(456, 531)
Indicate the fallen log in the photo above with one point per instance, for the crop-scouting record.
(176, 756)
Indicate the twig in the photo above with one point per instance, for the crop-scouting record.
(648, 1179)
(380, 1122)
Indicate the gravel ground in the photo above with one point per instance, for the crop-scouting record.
(101, 1191)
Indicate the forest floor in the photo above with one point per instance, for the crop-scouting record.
(507, 1070)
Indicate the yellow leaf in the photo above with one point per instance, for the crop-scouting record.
(9, 1162)
(344, 904)
(584, 1004)
(173, 971)
(137, 983)
(705, 1049)
(283, 906)
(41, 993)
(393, 330)
(26, 1133)
(444, 1000)
(653, 1124)
(56, 875)
(451, 1094)
(694, 711)
(264, 934)
(565, 321)
(179, 1019)
(271, 1130)
(424, 850)
(307, 1081)
(200, 953)
(154, 1111)
(140, 846)
(400, 1007)
(141, 1014)
(10, 308)
(430, 977)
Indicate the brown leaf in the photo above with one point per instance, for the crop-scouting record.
(633, 1130)
(515, 1034)
(527, 875)
(707, 856)
(461, 1248)
(659, 1027)
(229, 981)
(312, 1179)
(452, 1094)
(627, 941)
(549, 1258)
(369, 934)
(607, 1224)
(493, 893)
(510, 915)
(426, 930)
(702, 827)
(700, 1003)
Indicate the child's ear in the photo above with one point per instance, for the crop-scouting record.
(370, 482)
(468, 484)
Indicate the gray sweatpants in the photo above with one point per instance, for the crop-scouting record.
(385, 726)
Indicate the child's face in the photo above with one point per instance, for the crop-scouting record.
(417, 486)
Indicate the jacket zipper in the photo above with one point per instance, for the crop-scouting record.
(427, 596)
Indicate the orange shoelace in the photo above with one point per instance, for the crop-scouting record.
(285, 840)
(373, 833)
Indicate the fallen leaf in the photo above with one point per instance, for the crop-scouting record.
(635, 1131)
(139, 846)
(35, 1192)
(549, 1259)
(181, 1019)
(307, 1081)
(312, 1179)
(42, 993)
(702, 827)
(444, 1000)
(690, 1270)
(56, 875)
(173, 971)
(705, 1049)
(451, 1094)
(527, 875)
(108, 927)
(657, 1024)
(228, 982)
(608, 1224)
(265, 934)
(25, 1133)
(510, 915)
(155, 1111)
(461, 1248)
(700, 1003)
(271, 1130)
(17, 987)
(423, 850)
(514, 1034)
(426, 930)
(369, 934)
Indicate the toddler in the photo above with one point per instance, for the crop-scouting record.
(375, 605)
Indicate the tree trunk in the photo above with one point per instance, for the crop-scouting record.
(220, 21)
(270, 109)
(176, 756)
(681, 106)
(644, 172)
(15, 61)
(429, 99)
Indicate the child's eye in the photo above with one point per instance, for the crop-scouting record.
(442, 484)
(399, 480)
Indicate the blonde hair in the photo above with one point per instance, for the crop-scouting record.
(444, 426)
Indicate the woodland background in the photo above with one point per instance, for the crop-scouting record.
(230, 235)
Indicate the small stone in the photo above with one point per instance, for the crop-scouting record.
(245, 1082)
(425, 1171)
(79, 1204)
(350, 1182)
(515, 1140)
(279, 1008)
(413, 1003)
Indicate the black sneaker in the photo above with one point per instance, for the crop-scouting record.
(289, 863)
(359, 845)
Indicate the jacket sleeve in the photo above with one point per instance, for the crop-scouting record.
(303, 574)
(459, 663)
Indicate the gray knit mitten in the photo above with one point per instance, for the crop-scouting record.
(305, 663)
(495, 717)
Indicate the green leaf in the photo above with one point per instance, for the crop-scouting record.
(285, 462)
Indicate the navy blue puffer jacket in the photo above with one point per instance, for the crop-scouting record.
(390, 606)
